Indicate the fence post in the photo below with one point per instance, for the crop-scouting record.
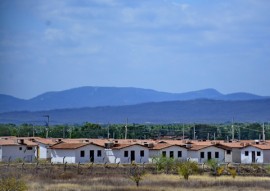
(36, 167)
(22, 166)
(78, 169)
(65, 167)
(51, 167)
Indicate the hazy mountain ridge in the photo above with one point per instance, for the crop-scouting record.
(109, 96)
(191, 111)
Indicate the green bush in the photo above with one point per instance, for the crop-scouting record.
(165, 164)
(187, 168)
(12, 184)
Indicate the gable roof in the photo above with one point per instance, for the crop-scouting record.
(121, 146)
(164, 146)
(63, 145)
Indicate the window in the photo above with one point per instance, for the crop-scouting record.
(29, 148)
(82, 153)
(258, 153)
(99, 153)
(202, 155)
(246, 153)
(228, 152)
(216, 155)
(164, 153)
(171, 154)
(142, 153)
(125, 153)
(20, 148)
(179, 154)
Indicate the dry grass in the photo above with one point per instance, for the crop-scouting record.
(151, 182)
(100, 178)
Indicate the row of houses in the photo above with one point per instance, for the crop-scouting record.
(29, 149)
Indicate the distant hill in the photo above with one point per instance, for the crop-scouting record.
(203, 111)
(109, 96)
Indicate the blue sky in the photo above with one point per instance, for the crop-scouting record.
(167, 45)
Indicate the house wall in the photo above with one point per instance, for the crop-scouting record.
(248, 159)
(63, 155)
(196, 155)
(0, 153)
(113, 156)
(137, 148)
(236, 155)
(86, 158)
(13, 152)
(174, 149)
(228, 157)
(44, 151)
(266, 156)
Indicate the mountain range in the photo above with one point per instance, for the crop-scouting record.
(114, 105)
(110, 96)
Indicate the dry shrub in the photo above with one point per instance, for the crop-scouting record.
(233, 172)
(12, 184)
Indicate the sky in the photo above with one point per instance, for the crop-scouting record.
(166, 45)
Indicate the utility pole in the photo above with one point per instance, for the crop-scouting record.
(263, 133)
(126, 129)
(33, 131)
(214, 136)
(232, 129)
(208, 136)
(108, 131)
(239, 135)
(64, 132)
(183, 136)
(194, 133)
(47, 125)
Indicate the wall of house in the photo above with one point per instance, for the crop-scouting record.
(13, 152)
(248, 159)
(44, 151)
(266, 156)
(228, 157)
(0, 153)
(196, 155)
(193, 156)
(86, 158)
(236, 155)
(174, 149)
(137, 148)
(63, 155)
(113, 156)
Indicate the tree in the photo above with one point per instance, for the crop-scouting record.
(136, 175)
(187, 168)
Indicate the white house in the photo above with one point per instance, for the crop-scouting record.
(255, 153)
(127, 153)
(43, 150)
(17, 149)
(77, 152)
(203, 153)
(176, 152)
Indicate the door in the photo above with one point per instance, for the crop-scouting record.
(92, 155)
(132, 156)
(253, 157)
(209, 155)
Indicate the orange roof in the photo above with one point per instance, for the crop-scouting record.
(121, 146)
(199, 147)
(163, 146)
(260, 146)
(8, 142)
(63, 145)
